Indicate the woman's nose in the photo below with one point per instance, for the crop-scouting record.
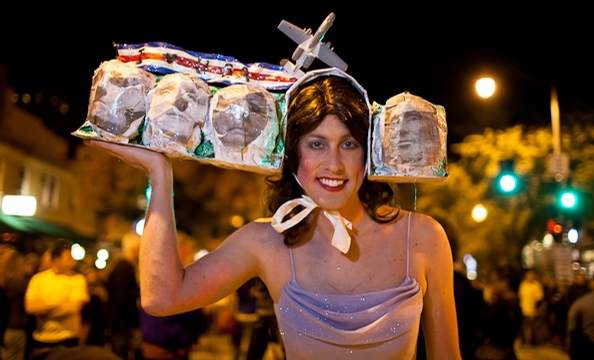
(335, 162)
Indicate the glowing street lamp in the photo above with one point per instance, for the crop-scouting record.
(485, 87)
(479, 213)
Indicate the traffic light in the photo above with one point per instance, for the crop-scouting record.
(507, 182)
(568, 198)
(563, 231)
(554, 227)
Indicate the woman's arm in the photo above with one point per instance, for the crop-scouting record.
(440, 326)
(166, 287)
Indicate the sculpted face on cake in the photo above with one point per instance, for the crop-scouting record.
(178, 107)
(240, 114)
(408, 140)
(411, 136)
(117, 104)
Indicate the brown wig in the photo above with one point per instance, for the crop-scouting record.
(329, 95)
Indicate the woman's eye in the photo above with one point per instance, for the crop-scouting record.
(350, 144)
(316, 144)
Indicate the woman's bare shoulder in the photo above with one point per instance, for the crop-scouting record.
(259, 232)
(260, 225)
(424, 229)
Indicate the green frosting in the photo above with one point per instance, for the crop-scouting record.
(205, 150)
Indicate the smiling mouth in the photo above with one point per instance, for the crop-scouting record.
(331, 182)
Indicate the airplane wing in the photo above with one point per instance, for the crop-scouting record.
(296, 33)
(330, 58)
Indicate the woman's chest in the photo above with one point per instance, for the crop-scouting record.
(369, 266)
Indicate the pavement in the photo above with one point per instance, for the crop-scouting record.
(219, 347)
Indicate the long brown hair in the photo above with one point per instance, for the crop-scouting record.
(326, 95)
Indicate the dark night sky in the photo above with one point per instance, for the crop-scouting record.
(432, 51)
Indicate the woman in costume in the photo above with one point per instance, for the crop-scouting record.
(351, 274)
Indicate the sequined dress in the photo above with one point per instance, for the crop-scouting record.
(377, 325)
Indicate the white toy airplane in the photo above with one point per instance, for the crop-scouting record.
(310, 47)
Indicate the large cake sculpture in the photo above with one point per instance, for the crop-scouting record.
(218, 110)
(205, 107)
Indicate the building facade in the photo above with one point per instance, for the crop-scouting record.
(34, 161)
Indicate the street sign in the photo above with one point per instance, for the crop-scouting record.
(562, 261)
(559, 165)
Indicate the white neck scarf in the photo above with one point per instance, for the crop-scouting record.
(341, 238)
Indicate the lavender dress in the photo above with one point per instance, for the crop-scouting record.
(378, 325)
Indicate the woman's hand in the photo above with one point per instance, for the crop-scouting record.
(138, 157)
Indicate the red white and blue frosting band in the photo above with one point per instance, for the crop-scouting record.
(163, 58)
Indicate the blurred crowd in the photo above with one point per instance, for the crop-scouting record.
(513, 307)
(520, 307)
(53, 307)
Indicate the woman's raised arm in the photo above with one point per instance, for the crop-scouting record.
(166, 287)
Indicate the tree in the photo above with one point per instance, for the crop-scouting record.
(512, 220)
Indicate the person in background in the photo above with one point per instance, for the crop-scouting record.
(580, 326)
(265, 330)
(171, 337)
(245, 317)
(558, 308)
(14, 281)
(56, 297)
(32, 261)
(578, 287)
(93, 313)
(500, 322)
(530, 293)
(123, 292)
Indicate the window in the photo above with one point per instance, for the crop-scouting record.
(2, 172)
(25, 180)
(49, 191)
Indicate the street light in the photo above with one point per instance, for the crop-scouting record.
(479, 213)
(485, 87)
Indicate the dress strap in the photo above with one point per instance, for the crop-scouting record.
(292, 266)
(407, 243)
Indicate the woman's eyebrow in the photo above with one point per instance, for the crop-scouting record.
(322, 137)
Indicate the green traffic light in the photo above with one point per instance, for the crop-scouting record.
(508, 183)
(568, 200)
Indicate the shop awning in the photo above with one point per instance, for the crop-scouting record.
(40, 227)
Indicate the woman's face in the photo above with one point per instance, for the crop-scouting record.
(331, 166)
